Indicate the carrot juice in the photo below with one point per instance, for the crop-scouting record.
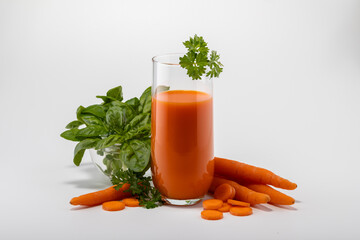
(182, 143)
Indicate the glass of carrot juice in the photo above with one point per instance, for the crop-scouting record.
(182, 145)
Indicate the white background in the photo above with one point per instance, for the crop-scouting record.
(288, 100)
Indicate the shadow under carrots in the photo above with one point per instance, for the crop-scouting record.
(262, 207)
(81, 208)
(287, 207)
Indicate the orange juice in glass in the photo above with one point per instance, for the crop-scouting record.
(182, 147)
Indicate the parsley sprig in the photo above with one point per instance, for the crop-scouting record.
(197, 61)
(140, 186)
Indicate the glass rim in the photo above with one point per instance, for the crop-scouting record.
(156, 59)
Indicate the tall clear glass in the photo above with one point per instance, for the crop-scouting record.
(182, 145)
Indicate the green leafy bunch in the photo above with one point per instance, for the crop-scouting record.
(140, 186)
(114, 122)
(197, 61)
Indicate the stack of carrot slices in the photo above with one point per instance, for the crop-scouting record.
(223, 202)
(120, 205)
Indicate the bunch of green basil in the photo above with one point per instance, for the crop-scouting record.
(114, 122)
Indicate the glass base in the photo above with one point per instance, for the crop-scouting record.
(185, 202)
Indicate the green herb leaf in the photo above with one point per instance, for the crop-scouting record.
(108, 142)
(196, 44)
(136, 154)
(116, 118)
(139, 127)
(141, 186)
(107, 99)
(79, 112)
(162, 88)
(91, 131)
(145, 101)
(112, 95)
(194, 68)
(71, 135)
(91, 120)
(134, 103)
(81, 147)
(196, 61)
(115, 93)
(74, 124)
(215, 65)
(96, 110)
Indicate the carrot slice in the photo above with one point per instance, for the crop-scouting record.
(131, 202)
(240, 211)
(211, 215)
(224, 192)
(238, 203)
(225, 207)
(212, 204)
(113, 206)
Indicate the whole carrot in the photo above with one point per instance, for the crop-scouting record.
(99, 197)
(242, 193)
(276, 196)
(238, 171)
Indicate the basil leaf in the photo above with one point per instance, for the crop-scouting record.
(133, 102)
(138, 121)
(119, 115)
(116, 118)
(135, 154)
(91, 131)
(96, 110)
(81, 147)
(116, 103)
(78, 113)
(139, 127)
(161, 88)
(108, 142)
(74, 124)
(115, 93)
(91, 120)
(71, 135)
(106, 99)
(145, 101)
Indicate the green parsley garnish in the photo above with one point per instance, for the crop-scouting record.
(140, 186)
(197, 61)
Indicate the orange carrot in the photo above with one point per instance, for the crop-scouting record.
(238, 203)
(242, 193)
(225, 207)
(99, 197)
(240, 211)
(276, 196)
(238, 171)
(113, 206)
(212, 204)
(211, 215)
(224, 192)
(131, 202)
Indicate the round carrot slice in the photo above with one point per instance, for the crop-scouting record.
(212, 204)
(224, 192)
(113, 206)
(240, 211)
(238, 203)
(131, 202)
(211, 215)
(225, 207)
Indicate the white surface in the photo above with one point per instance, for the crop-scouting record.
(288, 100)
